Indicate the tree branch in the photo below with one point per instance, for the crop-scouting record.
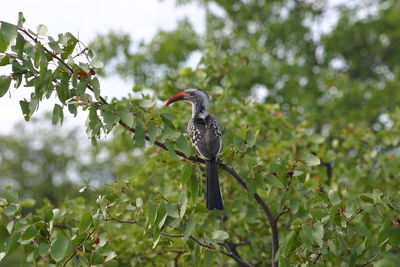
(281, 213)
(273, 225)
(235, 255)
(369, 261)
(78, 248)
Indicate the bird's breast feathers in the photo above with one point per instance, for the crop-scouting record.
(205, 136)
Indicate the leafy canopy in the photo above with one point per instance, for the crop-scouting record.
(310, 170)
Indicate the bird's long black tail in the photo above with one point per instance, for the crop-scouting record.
(214, 199)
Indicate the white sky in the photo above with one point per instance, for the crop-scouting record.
(140, 18)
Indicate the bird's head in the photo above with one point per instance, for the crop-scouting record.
(193, 95)
(199, 99)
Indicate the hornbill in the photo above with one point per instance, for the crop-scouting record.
(206, 138)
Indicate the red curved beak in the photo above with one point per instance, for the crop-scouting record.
(177, 97)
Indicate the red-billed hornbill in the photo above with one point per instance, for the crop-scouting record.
(206, 138)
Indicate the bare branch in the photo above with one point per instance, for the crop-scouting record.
(273, 225)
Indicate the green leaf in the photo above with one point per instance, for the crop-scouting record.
(96, 87)
(11, 196)
(287, 243)
(11, 210)
(318, 233)
(171, 149)
(19, 47)
(194, 187)
(251, 138)
(168, 116)
(220, 235)
(139, 202)
(85, 222)
(152, 212)
(62, 92)
(33, 105)
(334, 197)
(274, 181)
(21, 19)
(12, 244)
(172, 210)
(21, 225)
(43, 249)
(25, 109)
(307, 237)
(152, 132)
(110, 119)
(316, 139)
(73, 109)
(146, 103)
(155, 243)
(4, 60)
(42, 30)
(139, 134)
(9, 32)
(81, 88)
(69, 41)
(385, 263)
(189, 227)
(183, 145)
(28, 235)
(59, 248)
(55, 47)
(3, 233)
(58, 115)
(110, 255)
(161, 215)
(126, 116)
(97, 259)
(96, 63)
(294, 205)
(310, 160)
(187, 174)
(3, 46)
(183, 200)
(239, 143)
(5, 82)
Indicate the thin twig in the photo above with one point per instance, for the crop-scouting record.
(81, 52)
(280, 214)
(78, 248)
(111, 218)
(353, 216)
(177, 258)
(317, 258)
(369, 261)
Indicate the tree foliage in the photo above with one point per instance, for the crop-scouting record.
(310, 169)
